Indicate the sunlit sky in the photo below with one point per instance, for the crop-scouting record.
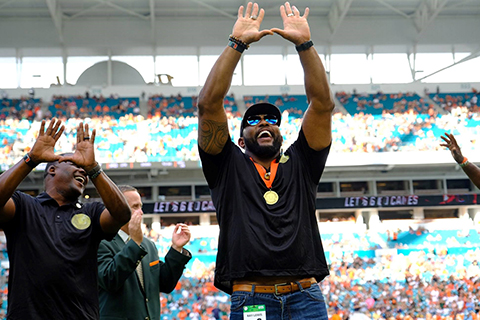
(266, 69)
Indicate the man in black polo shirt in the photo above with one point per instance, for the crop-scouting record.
(270, 255)
(52, 240)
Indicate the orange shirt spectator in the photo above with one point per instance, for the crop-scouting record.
(182, 315)
(336, 316)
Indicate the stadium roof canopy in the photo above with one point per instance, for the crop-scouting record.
(134, 27)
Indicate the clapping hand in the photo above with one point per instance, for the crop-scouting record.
(135, 226)
(181, 236)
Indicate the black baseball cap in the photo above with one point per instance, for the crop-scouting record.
(260, 108)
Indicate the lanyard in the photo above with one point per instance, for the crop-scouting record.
(267, 177)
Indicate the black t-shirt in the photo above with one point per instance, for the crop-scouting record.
(257, 239)
(53, 258)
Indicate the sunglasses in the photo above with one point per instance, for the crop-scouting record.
(269, 118)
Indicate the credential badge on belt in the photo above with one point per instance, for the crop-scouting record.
(257, 312)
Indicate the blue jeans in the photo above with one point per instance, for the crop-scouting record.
(301, 305)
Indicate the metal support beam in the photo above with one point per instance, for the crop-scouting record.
(458, 4)
(64, 61)
(202, 3)
(389, 6)
(109, 69)
(119, 8)
(19, 65)
(337, 13)
(412, 62)
(81, 13)
(471, 56)
(426, 13)
(56, 14)
(152, 22)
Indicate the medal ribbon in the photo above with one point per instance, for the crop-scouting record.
(262, 172)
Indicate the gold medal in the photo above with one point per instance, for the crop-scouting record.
(271, 197)
(81, 221)
(284, 158)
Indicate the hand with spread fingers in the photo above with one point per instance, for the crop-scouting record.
(471, 169)
(247, 26)
(84, 155)
(43, 149)
(452, 145)
(295, 26)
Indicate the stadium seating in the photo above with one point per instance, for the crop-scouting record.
(88, 107)
(363, 265)
(378, 103)
(136, 139)
(455, 99)
(19, 108)
(295, 105)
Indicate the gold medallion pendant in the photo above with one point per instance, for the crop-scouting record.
(284, 158)
(81, 221)
(271, 197)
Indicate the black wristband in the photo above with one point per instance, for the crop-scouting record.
(29, 161)
(237, 46)
(304, 46)
(95, 172)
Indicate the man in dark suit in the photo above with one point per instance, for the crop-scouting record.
(130, 274)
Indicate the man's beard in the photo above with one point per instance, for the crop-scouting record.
(264, 152)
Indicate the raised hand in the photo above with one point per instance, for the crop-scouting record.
(84, 155)
(135, 226)
(43, 149)
(295, 26)
(181, 236)
(247, 26)
(453, 146)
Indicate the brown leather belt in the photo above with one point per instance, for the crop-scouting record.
(279, 288)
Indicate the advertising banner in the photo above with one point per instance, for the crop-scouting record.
(329, 203)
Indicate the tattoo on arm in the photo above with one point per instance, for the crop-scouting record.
(212, 135)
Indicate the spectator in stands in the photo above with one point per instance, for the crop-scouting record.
(52, 239)
(269, 240)
(471, 169)
(125, 293)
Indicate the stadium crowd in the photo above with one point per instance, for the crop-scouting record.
(390, 286)
(415, 286)
(169, 135)
(429, 281)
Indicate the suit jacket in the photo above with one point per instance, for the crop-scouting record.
(121, 294)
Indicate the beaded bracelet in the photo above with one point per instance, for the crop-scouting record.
(238, 41)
